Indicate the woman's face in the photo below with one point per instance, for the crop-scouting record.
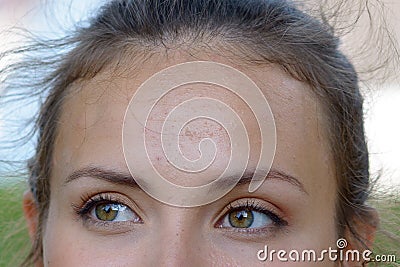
(99, 217)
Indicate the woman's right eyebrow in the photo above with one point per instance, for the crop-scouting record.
(112, 176)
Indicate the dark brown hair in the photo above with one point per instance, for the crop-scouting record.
(258, 32)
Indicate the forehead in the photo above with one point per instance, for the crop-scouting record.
(90, 129)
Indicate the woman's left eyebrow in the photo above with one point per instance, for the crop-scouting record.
(273, 174)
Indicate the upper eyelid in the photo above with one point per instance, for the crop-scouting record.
(99, 198)
(93, 201)
(243, 202)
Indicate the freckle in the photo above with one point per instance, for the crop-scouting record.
(188, 133)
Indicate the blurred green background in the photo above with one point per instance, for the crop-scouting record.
(14, 240)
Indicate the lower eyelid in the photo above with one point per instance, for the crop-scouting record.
(252, 234)
(108, 227)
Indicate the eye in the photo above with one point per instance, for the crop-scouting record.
(245, 218)
(115, 212)
(251, 215)
(106, 208)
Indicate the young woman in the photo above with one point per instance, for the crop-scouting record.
(94, 199)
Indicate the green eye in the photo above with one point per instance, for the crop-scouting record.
(106, 212)
(241, 218)
(246, 218)
(113, 212)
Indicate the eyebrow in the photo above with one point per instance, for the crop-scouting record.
(126, 179)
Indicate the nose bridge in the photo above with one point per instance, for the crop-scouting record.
(178, 238)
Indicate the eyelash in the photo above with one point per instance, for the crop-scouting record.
(253, 205)
(90, 202)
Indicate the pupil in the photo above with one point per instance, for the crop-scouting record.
(107, 208)
(107, 212)
(241, 219)
(240, 216)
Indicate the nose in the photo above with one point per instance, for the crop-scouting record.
(179, 240)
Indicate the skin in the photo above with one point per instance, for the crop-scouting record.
(90, 135)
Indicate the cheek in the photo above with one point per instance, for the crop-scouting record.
(66, 242)
(61, 245)
(245, 255)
